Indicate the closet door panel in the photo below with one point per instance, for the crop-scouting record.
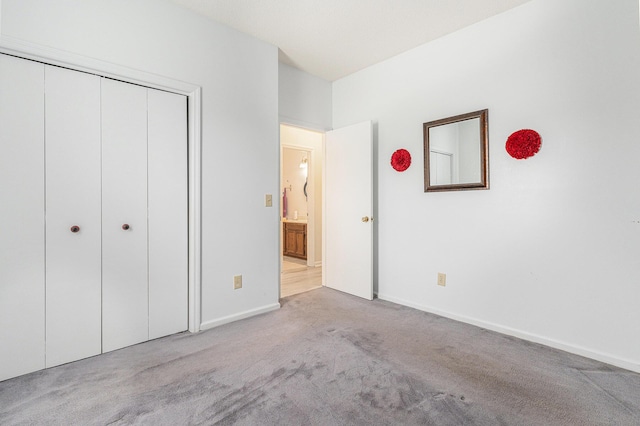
(73, 263)
(168, 249)
(22, 322)
(124, 198)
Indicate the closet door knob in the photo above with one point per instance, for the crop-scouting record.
(75, 228)
(125, 226)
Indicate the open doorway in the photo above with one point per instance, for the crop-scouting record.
(300, 209)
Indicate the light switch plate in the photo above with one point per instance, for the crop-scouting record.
(237, 282)
(268, 200)
(442, 279)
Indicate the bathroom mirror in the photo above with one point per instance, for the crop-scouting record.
(456, 153)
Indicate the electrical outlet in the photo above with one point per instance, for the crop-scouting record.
(442, 279)
(237, 282)
(268, 200)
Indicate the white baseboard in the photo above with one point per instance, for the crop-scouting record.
(235, 317)
(578, 350)
(318, 263)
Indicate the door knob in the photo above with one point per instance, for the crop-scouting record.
(125, 226)
(75, 228)
(365, 219)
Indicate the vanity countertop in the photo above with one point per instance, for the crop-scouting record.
(294, 220)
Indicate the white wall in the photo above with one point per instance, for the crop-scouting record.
(304, 99)
(551, 251)
(240, 153)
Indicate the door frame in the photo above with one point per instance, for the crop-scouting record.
(46, 55)
(311, 216)
(312, 220)
(314, 153)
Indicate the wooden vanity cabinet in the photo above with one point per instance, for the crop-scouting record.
(295, 240)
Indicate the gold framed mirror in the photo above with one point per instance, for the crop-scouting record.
(456, 152)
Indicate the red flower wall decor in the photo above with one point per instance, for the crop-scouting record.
(523, 144)
(401, 160)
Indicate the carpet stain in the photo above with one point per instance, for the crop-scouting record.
(366, 341)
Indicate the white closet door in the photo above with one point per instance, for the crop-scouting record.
(167, 213)
(72, 134)
(22, 319)
(124, 201)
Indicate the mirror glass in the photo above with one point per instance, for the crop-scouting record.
(456, 154)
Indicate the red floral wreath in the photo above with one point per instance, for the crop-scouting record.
(401, 160)
(523, 144)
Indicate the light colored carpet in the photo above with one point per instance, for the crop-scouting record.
(326, 358)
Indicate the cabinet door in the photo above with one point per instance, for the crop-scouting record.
(301, 244)
(295, 240)
(167, 187)
(73, 264)
(125, 308)
(288, 241)
(22, 321)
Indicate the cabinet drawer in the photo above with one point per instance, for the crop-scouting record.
(295, 226)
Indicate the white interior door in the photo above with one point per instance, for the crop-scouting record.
(348, 198)
(22, 322)
(168, 228)
(125, 306)
(73, 264)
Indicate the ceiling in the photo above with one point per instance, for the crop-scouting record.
(334, 38)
